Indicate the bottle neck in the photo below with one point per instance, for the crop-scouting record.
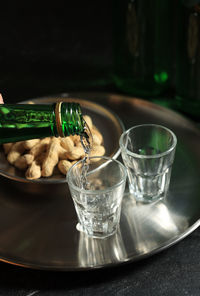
(69, 119)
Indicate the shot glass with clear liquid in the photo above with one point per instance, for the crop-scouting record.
(97, 186)
(148, 152)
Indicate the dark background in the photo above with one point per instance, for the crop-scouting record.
(55, 47)
(50, 48)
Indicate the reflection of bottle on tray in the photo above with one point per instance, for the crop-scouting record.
(188, 58)
(143, 49)
(30, 121)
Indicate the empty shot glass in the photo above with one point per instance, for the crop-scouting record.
(148, 153)
(97, 186)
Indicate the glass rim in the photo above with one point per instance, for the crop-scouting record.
(109, 159)
(173, 146)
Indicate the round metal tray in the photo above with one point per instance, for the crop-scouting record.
(38, 224)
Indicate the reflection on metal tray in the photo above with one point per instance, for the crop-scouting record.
(38, 223)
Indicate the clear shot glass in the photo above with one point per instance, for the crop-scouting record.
(97, 186)
(148, 152)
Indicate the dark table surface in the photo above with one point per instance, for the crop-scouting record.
(176, 271)
(49, 51)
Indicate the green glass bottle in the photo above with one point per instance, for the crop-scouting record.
(187, 98)
(23, 122)
(143, 47)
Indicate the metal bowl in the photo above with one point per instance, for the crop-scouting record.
(105, 120)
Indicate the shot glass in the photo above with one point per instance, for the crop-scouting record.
(97, 186)
(148, 152)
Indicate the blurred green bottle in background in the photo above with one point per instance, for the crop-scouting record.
(143, 46)
(188, 58)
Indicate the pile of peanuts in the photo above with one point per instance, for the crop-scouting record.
(40, 157)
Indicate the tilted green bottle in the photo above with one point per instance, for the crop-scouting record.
(23, 122)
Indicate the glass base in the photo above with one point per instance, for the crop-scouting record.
(147, 199)
(99, 235)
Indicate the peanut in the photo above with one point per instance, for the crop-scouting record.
(97, 134)
(7, 147)
(75, 139)
(76, 153)
(34, 171)
(23, 161)
(97, 150)
(40, 147)
(67, 143)
(28, 144)
(16, 150)
(64, 166)
(88, 120)
(96, 140)
(51, 158)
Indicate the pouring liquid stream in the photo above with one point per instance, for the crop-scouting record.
(87, 142)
